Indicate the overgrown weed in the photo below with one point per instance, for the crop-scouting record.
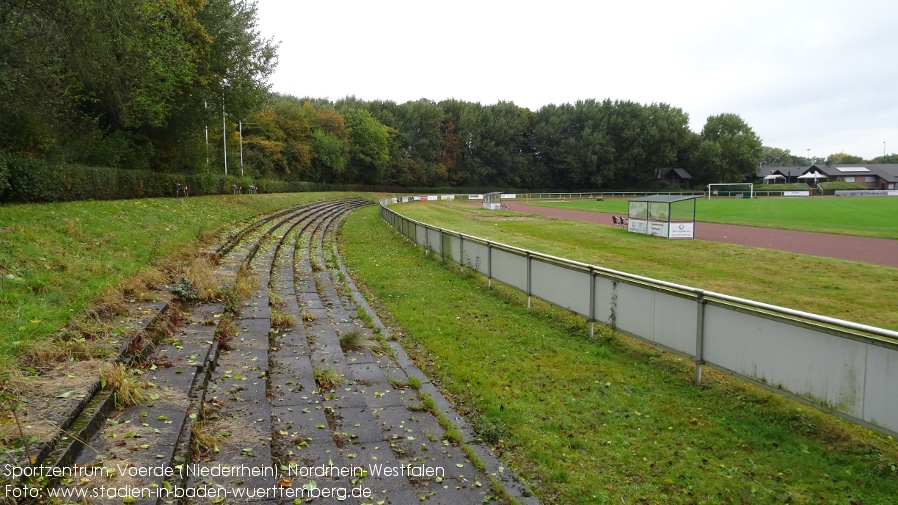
(282, 320)
(246, 282)
(356, 340)
(127, 383)
(201, 273)
(328, 378)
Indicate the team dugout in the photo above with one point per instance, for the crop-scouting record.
(668, 216)
(492, 201)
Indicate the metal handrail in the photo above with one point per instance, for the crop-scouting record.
(890, 335)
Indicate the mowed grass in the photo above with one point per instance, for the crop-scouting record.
(866, 217)
(847, 290)
(56, 259)
(606, 420)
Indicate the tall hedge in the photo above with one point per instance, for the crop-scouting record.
(4, 173)
(24, 179)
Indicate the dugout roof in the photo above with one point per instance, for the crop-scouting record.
(664, 198)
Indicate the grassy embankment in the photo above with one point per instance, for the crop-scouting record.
(843, 289)
(604, 420)
(866, 217)
(58, 259)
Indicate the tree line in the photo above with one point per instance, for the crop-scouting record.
(181, 86)
(454, 143)
(775, 157)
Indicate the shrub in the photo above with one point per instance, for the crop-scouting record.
(24, 179)
(4, 173)
(829, 188)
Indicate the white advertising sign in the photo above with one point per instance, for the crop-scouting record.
(681, 230)
(658, 228)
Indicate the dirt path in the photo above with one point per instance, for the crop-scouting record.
(878, 251)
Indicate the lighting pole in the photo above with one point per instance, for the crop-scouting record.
(224, 133)
(240, 132)
(206, 116)
(809, 156)
(883, 148)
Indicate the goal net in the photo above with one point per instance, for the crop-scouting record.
(731, 190)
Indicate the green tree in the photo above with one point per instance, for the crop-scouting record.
(843, 159)
(331, 154)
(403, 170)
(572, 144)
(420, 140)
(776, 157)
(80, 70)
(496, 143)
(890, 159)
(730, 151)
(240, 60)
(125, 82)
(369, 146)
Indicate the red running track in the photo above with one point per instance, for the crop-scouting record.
(879, 251)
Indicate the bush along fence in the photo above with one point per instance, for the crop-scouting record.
(24, 179)
(32, 180)
(845, 368)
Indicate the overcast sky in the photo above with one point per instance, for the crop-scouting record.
(819, 75)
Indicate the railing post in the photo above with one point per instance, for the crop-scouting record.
(592, 302)
(699, 336)
(529, 268)
(461, 251)
(489, 265)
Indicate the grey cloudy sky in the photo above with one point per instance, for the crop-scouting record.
(819, 75)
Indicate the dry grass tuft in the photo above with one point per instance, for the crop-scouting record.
(140, 287)
(61, 350)
(356, 340)
(276, 301)
(328, 378)
(109, 303)
(246, 282)
(201, 274)
(282, 320)
(129, 389)
(225, 332)
(203, 443)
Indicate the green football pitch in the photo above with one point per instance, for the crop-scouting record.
(863, 216)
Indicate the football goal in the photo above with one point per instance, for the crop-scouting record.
(731, 189)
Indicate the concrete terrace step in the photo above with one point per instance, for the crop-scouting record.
(251, 420)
